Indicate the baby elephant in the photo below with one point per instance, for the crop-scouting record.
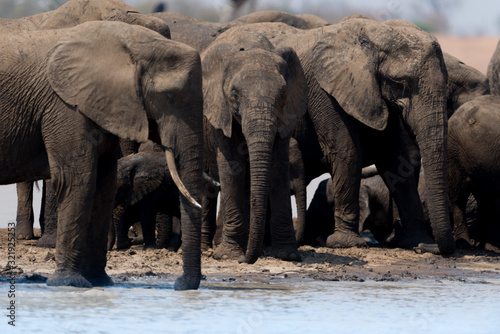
(474, 167)
(147, 194)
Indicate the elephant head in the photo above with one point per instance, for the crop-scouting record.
(75, 12)
(252, 88)
(373, 69)
(464, 83)
(136, 84)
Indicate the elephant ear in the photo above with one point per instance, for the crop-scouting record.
(92, 69)
(296, 95)
(215, 108)
(344, 62)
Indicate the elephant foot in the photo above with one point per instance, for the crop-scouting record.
(186, 282)
(345, 240)
(47, 241)
(123, 243)
(63, 277)
(227, 251)
(24, 232)
(138, 240)
(99, 278)
(427, 248)
(287, 254)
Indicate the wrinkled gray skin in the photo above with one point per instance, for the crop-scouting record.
(367, 105)
(494, 72)
(146, 193)
(200, 34)
(83, 94)
(68, 15)
(474, 164)
(376, 207)
(253, 96)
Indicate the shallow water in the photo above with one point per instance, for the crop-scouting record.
(150, 305)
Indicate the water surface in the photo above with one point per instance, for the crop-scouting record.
(150, 305)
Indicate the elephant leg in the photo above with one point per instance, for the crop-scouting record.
(459, 195)
(281, 224)
(164, 230)
(398, 168)
(232, 169)
(136, 233)
(344, 157)
(94, 260)
(149, 208)
(209, 216)
(75, 195)
(49, 203)
(24, 218)
(487, 219)
(127, 219)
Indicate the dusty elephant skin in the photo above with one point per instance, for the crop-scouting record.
(253, 96)
(367, 105)
(473, 167)
(66, 96)
(146, 193)
(68, 15)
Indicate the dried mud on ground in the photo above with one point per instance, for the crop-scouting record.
(318, 264)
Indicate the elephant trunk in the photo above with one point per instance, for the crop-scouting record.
(431, 133)
(185, 140)
(260, 142)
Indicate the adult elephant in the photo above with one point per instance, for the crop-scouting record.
(474, 164)
(369, 105)
(253, 96)
(75, 12)
(464, 83)
(200, 34)
(494, 72)
(66, 97)
(70, 14)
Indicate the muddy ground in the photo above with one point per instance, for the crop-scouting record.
(318, 264)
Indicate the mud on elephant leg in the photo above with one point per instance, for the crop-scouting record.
(49, 224)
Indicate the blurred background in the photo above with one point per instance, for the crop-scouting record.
(456, 17)
(467, 29)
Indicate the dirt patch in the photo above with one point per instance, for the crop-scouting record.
(318, 264)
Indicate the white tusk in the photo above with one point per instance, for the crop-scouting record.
(211, 180)
(177, 180)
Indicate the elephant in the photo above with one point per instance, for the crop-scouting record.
(464, 83)
(70, 14)
(75, 12)
(375, 204)
(369, 105)
(146, 193)
(66, 97)
(200, 34)
(298, 21)
(254, 95)
(493, 72)
(474, 163)
(298, 188)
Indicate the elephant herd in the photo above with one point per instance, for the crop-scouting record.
(249, 111)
